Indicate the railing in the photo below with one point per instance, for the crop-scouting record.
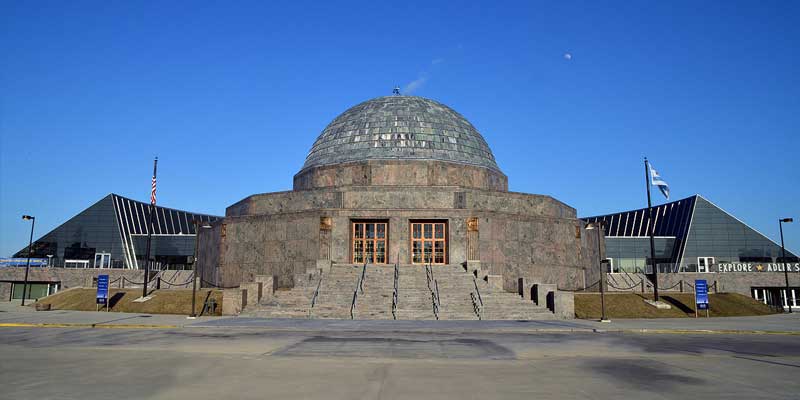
(476, 307)
(359, 288)
(316, 294)
(477, 290)
(361, 279)
(396, 287)
(433, 286)
(187, 283)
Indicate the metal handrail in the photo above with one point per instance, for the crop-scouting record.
(477, 290)
(217, 286)
(359, 287)
(361, 280)
(396, 287)
(316, 293)
(475, 306)
(632, 281)
(434, 294)
(619, 288)
(436, 286)
(188, 281)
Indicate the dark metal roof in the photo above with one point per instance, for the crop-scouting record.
(671, 219)
(133, 217)
(400, 127)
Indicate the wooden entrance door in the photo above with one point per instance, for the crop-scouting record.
(369, 242)
(429, 242)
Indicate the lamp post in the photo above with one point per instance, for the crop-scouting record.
(785, 264)
(28, 266)
(197, 227)
(598, 226)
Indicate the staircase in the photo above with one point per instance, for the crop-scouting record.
(417, 293)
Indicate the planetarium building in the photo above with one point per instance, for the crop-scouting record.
(407, 181)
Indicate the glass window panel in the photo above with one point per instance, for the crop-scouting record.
(370, 251)
(380, 252)
(358, 251)
(381, 231)
(440, 231)
(416, 250)
(427, 249)
(439, 252)
(370, 231)
(417, 229)
(359, 231)
(428, 231)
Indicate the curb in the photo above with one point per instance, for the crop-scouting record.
(423, 331)
(709, 332)
(98, 325)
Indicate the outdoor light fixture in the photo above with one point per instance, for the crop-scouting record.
(28, 266)
(785, 264)
(598, 226)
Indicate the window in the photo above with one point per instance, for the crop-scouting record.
(429, 242)
(611, 267)
(76, 263)
(704, 264)
(369, 242)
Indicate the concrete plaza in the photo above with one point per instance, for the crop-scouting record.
(241, 358)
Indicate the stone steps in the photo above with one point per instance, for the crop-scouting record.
(414, 296)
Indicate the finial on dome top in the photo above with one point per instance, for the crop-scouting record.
(396, 91)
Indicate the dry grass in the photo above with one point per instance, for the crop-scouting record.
(173, 301)
(632, 305)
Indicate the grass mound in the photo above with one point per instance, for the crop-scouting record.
(172, 301)
(632, 305)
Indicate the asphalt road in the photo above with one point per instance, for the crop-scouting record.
(243, 363)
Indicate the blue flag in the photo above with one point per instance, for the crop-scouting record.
(655, 179)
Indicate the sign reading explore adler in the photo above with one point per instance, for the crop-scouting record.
(102, 290)
(701, 294)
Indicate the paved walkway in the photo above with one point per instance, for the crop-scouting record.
(11, 315)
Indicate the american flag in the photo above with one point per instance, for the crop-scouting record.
(153, 192)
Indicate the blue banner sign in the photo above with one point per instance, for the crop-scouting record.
(21, 262)
(701, 294)
(102, 289)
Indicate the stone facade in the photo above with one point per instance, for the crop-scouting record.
(518, 235)
(397, 160)
(400, 173)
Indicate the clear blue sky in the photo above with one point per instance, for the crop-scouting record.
(231, 97)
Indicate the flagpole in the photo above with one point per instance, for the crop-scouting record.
(149, 230)
(650, 230)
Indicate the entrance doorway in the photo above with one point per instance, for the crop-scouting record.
(369, 242)
(429, 242)
(102, 260)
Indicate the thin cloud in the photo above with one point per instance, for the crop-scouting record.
(412, 86)
(437, 61)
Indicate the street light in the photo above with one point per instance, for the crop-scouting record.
(785, 264)
(197, 227)
(28, 266)
(598, 226)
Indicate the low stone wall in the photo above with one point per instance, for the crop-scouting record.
(739, 282)
(69, 278)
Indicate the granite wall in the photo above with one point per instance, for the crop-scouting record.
(400, 173)
(80, 277)
(281, 234)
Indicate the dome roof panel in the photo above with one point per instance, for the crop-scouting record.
(400, 128)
